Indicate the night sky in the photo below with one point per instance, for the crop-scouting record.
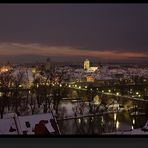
(69, 32)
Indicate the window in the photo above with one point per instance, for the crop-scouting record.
(27, 124)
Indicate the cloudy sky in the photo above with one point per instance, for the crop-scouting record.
(68, 32)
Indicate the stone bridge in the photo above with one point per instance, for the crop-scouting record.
(124, 100)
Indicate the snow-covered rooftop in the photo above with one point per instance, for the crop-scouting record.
(12, 124)
(33, 120)
(6, 125)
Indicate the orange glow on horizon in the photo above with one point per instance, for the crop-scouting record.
(16, 49)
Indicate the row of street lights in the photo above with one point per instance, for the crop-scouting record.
(137, 94)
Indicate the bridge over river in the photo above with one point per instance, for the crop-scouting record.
(121, 99)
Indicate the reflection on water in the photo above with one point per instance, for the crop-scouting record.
(101, 124)
(133, 121)
(115, 116)
(85, 120)
(117, 124)
(102, 119)
(79, 120)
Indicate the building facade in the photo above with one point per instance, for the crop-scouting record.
(86, 64)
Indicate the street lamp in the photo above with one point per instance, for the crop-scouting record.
(137, 93)
(117, 93)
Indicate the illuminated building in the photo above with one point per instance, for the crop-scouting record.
(33, 70)
(92, 69)
(5, 68)
(86, 64)
(89, 79)
(96, 100)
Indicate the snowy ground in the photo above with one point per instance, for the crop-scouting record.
(130, 132)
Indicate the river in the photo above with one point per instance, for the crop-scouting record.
(121, 121)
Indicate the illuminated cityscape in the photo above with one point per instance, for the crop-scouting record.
(63, 72)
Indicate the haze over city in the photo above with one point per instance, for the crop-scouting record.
(69, 32)
(73, 69)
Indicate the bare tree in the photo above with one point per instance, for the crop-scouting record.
(5, 84)
(17, 93)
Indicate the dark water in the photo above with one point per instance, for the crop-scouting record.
(102, 124)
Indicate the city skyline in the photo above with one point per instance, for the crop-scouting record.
(68, 32)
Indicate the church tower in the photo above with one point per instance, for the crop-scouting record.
(86, 64)
(48, 64)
